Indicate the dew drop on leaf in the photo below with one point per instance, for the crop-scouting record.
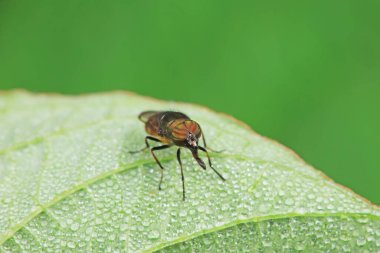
(69, 183)
(154, 234)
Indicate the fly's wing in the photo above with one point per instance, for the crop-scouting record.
(144, 116)
(169, 116)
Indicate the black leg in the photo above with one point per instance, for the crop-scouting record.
(209, 162)
(183, 178)
(203, 137)
(146, 143)
(158, 162)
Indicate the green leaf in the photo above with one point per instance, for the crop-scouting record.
(68, 183)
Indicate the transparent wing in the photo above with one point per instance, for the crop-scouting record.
(144, 116)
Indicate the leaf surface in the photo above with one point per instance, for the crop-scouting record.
(68, 183)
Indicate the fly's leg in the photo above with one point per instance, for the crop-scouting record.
(158, 162)
(146, 143)
(209, 162)
(183, 178)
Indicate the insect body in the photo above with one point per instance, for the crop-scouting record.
(174, 129)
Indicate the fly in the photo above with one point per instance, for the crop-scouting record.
(174, 129)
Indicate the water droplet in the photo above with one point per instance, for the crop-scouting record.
(362, 220)
(89, 230)
(207, 241)
(74, 226)
(264, 207)
(123, 227)
(346, 248)
(267, 243)
(289, 183)
(289, 202)
(345, 237)
(299, 246)
(112, 237)
(71, 245)
(361, 241)
(154, 234)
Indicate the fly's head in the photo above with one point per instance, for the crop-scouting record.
(192, 141)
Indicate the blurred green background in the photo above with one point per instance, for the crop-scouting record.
(306, 73)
